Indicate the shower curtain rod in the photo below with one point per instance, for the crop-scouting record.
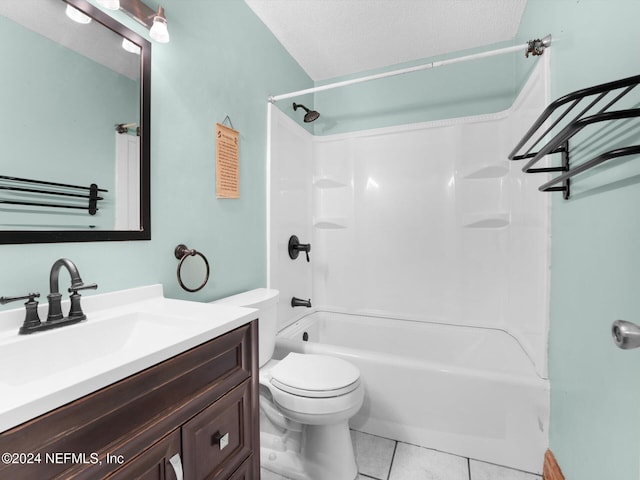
(534, 47)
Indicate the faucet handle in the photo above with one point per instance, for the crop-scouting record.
(295, 247)
(75, 312)
(30, 296)
(31, 319)
(91, 286)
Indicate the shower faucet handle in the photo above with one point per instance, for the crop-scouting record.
(295, 247)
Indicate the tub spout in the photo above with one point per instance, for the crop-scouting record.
(298, 302)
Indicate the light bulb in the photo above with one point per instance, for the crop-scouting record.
(76, 15)
(130, 47)
(159, 31)
(110, 4)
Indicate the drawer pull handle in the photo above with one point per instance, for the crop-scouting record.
(176, 463)
(219, 439)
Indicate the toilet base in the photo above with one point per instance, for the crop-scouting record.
(284, 463)
(327, 452)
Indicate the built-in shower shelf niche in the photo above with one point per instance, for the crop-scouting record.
(330, 223)
(496, 170)
(328, 182)
(493, 220)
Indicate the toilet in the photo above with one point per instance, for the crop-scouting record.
(310, 398)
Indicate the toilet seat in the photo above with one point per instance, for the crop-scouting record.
(315, 376)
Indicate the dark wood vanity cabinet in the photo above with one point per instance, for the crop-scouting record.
(198, 409)
(153, 463)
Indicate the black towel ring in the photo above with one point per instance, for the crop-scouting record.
(182, 252)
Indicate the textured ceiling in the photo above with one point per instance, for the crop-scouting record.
(331, 38)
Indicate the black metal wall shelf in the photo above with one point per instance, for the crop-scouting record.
(599, 99)
(12, 184)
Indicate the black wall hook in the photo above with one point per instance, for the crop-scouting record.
(295, 247)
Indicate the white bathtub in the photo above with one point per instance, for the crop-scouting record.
(463, 390)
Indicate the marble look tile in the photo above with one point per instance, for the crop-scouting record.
(373, 454)
(488, 471)
(417, 463)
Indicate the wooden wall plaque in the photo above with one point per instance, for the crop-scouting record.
(227, 162)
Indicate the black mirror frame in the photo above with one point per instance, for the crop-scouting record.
(56, 236)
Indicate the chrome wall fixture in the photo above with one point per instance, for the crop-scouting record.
(626, 335)
(155, 21)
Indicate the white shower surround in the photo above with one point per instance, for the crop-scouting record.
(425, 222)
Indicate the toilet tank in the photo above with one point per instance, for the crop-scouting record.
(266, 301)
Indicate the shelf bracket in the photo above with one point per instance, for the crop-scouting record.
(566, 183)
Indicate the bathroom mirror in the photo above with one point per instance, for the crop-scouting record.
(75, 112)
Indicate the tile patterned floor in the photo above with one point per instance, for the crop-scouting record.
(380, 458)
(383, 459)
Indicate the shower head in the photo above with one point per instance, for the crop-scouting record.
(310, 116)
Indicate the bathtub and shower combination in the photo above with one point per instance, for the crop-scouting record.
(429, 272)
(463, 390)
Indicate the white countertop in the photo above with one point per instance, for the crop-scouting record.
(125, 332)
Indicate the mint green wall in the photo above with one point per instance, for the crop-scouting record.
(221, 61)
(595, 266)
(44, 95)
(458, 90)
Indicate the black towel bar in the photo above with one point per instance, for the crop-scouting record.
(560, 133)
(56, 189)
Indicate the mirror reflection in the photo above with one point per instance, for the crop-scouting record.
(71, 103)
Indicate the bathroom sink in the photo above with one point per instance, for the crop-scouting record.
(111, 338)
(124, 333)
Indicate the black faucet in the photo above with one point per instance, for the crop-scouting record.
(298, 302)
(55, 297)
(295, 247)
(55, 318)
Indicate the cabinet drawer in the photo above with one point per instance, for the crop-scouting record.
(217, 440)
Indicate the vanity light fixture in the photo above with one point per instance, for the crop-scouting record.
(155, 21)
(76, 15)
(130, 47)
(110, 4)
(159, 31)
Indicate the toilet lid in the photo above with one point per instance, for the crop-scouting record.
(315, 375)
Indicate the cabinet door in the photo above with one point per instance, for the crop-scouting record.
(153, 463)
(244, 472)
(217, 440)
